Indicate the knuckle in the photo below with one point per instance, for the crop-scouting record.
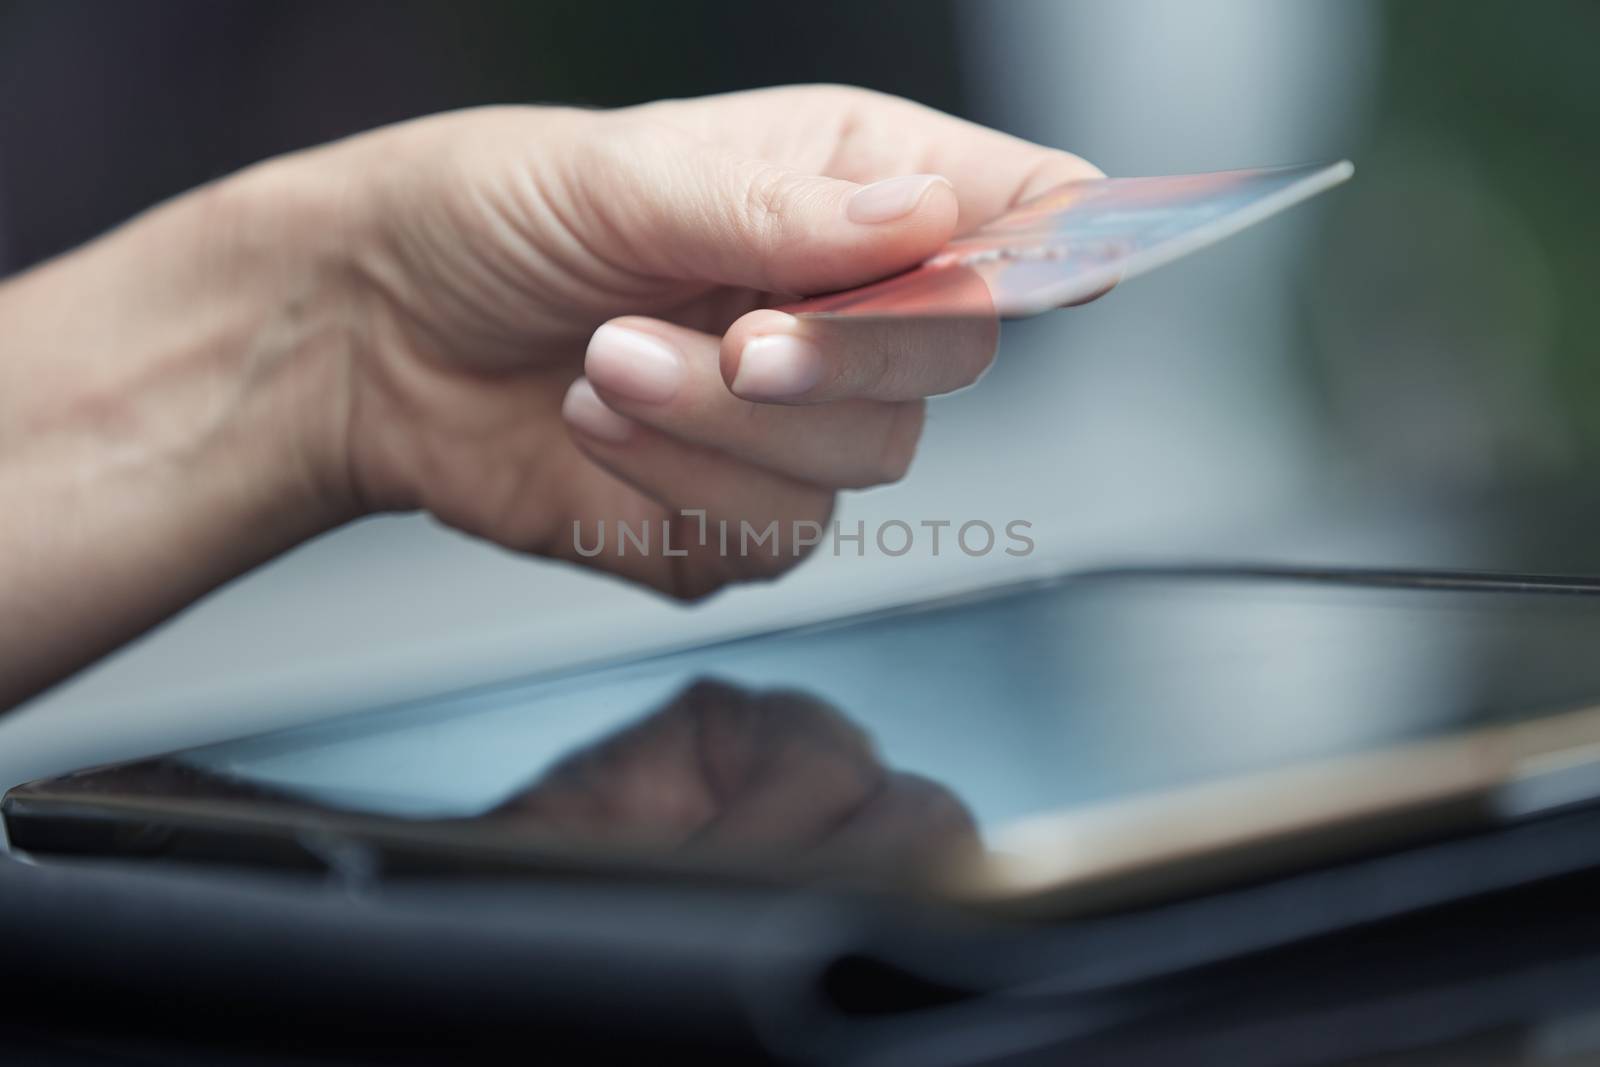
(760, 219)
(902, 433)
(978, 347)
(767, 194)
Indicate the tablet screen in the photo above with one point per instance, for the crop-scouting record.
(948, 722)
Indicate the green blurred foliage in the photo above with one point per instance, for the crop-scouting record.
(1456, 308)
(1517, 86)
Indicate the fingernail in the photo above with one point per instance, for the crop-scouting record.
(777, 367)
(633, 364)
(890, 199)
(583, 409)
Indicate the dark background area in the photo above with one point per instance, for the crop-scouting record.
(110, 106)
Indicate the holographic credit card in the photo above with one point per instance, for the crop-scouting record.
(1078, 240)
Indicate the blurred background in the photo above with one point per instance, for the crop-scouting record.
(1403, 372)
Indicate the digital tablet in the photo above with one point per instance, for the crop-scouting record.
(1091, 742)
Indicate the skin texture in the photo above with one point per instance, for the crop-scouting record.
(408, 320)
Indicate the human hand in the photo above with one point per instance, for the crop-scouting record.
(494, 248)
(518, 319)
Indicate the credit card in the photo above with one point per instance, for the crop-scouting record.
(1078, 240)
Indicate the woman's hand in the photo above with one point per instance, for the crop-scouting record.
(519, 319)
(497, 247)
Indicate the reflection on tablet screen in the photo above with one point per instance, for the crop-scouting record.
(920, 732)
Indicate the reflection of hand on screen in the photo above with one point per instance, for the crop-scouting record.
(724, 767)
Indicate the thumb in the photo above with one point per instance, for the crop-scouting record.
(762, 226)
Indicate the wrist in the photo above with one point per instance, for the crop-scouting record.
(169, 414)
(201, 344)
(287, 328)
